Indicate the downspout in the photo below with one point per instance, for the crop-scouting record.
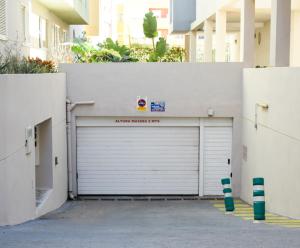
(69, 108)
(69, 150)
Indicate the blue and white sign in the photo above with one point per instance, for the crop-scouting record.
(158, 106)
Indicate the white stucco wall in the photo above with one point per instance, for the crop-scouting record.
(188, 89)
(273, 149)
(295, 39)
(262, 45)
(14, 27)
(205, 8)
(27, 100)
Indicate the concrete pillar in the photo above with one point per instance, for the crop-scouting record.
(208, 41)
(221, 23)
(193, 47)
(235, 47)
(280, 33)
(247, 44)
(187, 47)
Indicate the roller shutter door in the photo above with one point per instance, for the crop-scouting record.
(138, 160)
(217, 158)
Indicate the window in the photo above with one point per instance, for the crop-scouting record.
(42, 33)
(159, 12)
(38, 31)
(3, 28)
(23, 23)
(64, 36)
(56, 41)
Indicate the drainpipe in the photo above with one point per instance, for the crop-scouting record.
(69, 142)
(69, 108)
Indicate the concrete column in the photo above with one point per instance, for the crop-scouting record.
(235, 48)
(247, 44)
(221, 23)
(193, 47)
(280, 33)
(208, 41)
(187, 47)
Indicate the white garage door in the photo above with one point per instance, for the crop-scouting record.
(217, 158)
(137, 160)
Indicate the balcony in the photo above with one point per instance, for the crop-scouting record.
(73, 12)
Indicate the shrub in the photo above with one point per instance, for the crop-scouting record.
(15, 64)
(108, 51)
(175, 54)
(151, 32)
(140, 53)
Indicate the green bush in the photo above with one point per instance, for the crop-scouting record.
(141, 53)
(15, 64)
(175, 54)
(108, 51)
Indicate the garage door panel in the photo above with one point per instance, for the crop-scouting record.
(139, 160)
(137, 191)
(217, 151)
(130, 168)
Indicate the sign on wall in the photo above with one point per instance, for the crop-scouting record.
(158, 106)
(141, 104)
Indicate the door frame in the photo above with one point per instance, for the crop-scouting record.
(210, 122)
(164, 121)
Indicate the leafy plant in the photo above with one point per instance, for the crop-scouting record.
(104, 55)
(108, 51)
(112, 51)
(150, 31)
(82, 51)
(175, 54)
(123, 50)
(14, 63)
(150, 27)
(140, 53)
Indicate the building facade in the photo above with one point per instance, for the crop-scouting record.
(123, 21)
(41, 28)
(258, 34)
(241, 30)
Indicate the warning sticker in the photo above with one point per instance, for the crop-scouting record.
(141, 104)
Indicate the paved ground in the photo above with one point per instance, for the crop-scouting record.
(139, 224)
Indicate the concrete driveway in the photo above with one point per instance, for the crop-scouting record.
(142, 224)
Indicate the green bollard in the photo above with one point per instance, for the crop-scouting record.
(259, 199)
(228, 199)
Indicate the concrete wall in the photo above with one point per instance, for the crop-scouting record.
(262, 45)
(188, 89)
(25, 101)
(295, 39)
(273, 149)
(262, 50)
(205, 8)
